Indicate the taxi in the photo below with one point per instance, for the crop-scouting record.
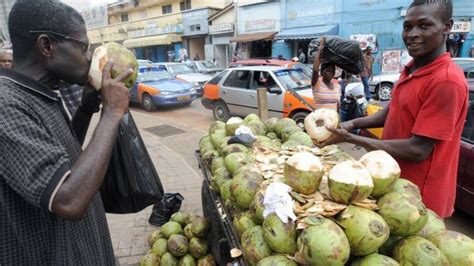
(234, 92)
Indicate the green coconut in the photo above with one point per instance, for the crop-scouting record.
(188, 233)
(187, 260)
(218, 178)
(207, 260)
(217, 162)
(276, 260)
(406, 186)
(200, 226)
(285, 136)
(270, 124)
(235, 147)
(303, 172)
(198, 247)
(384, 170)
(217, 138)
(375, 260)
(280, 236)
(210, 155)
(177, 245)
(252, 117)
(150, 259)
(404, 213)
(192, 217)
(170, 228)
(232, 124)
(217, 125)
(205, 144)
(271, 135)
(387, 247)
(257, 127)
(265, 143)
(257, 208)
(155, 235)
(168, 260)
(223, 145)
(433, 225)
(349, 181)
(458, 248)
(236, 160)
(180, 217)
(322, 243)
(283, 125)
(415, 250)
(365, 229)
(160, 246)
(317, 122)
(254, 246)
(242, 222)
(244, 186)
(232, 209)
(302, 138)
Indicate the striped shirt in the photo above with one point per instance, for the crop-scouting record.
(325, 97)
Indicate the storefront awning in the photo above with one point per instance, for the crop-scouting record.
(152, 40)
(307, 32)
(261, 36)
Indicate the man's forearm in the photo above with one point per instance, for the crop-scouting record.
(87, 174)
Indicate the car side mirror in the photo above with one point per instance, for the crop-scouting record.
(274, 90)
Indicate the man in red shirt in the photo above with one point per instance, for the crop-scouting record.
(424, 120)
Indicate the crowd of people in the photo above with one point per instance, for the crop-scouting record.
(51, 210)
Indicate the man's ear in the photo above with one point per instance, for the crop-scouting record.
(45, 45)
(448, 26)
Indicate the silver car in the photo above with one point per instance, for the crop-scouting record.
(184, 72)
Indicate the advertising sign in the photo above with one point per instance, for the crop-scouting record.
(95, 17)
(366, 40)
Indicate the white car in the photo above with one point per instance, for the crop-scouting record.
(184, 72)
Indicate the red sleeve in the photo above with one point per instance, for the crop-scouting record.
(442, 105)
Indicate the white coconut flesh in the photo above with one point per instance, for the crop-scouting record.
(234, 120)
(98, 62)
(316, 122)
(380, 164)
(305, 161)
(351, 172)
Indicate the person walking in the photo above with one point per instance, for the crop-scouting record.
(366, 73)
(301, 56)
(51, 210)
(425, 118)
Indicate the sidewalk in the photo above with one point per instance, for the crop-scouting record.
(174, 161)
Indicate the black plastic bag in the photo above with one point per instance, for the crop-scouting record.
(131, 182)
(344, 53)
(162, 211)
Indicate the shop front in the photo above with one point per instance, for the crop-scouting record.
(221, 30)
(196, 30)
(158, 48)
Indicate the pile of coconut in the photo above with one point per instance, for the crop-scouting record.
(181, 241)
(347, 210)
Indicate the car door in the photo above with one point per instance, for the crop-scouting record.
(265, 79)
(235, 92)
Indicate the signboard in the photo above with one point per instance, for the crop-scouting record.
(393, 61)
(149, 31)
(95, 17)
(260, 25)
(221, 28)
(366, 40)
(461, 26)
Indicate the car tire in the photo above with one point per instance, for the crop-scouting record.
(384, 91)
(299, 118)
(220, 111)
(147, 103)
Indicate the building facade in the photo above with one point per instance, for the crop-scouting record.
(5, 7)
(196, 30)
(221, 30)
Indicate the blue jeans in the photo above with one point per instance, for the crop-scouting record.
(365, 82)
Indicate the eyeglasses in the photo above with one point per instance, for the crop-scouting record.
(85, 45)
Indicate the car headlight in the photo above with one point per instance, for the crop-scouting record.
(165, 93)
(195, 84)
(192, 90)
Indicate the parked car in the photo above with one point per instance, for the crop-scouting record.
(381, 85)
(184, 72)
(465, 178)
(274, 62)
(144, 62)
(155, 87)
(206, 67)
(234, 92)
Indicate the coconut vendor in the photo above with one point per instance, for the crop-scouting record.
(50, 208)
(424, 120)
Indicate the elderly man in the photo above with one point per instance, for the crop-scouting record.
(6, 59)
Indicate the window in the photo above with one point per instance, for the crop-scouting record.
(167, 9)
(195, 27)
(217, 78)
(124, 17)
(238, 79)
(185, 5)
(262, 79)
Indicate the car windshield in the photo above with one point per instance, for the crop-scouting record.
(306, 69)
(153, 76)
(205, 65)
(295, 79)
(465, 64)
(180, 69)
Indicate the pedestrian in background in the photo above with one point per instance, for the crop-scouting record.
(51, 210)
(425, 118)
(301, 56)
(366, 74)
(196, 57)
(6, 59)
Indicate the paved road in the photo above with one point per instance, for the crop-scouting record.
(198, 118)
